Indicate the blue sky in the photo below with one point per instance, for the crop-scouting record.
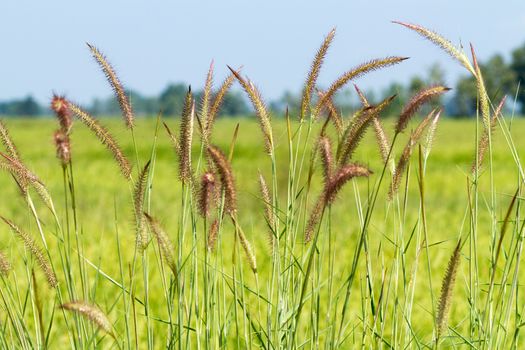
(155, 42)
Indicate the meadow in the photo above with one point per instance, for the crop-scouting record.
(311, 230)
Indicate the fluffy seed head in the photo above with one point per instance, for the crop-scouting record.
(35, 251)
(218, 99)
(116, 85)
(186, 135)
(206, 193)
(166, 247)
(443, 43)
(416, 102)
(63, 147)
(212, 235)
(325, 149)
(268, 209)
(60, 106)
(260, 109)
(9, 145)
(314, 73)
(90, 312)
(447, 289)
(226, 176)
(104, 137)
(5, 266)
(356, 73)
(138, 205)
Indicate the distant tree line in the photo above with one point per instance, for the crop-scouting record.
(501, 78)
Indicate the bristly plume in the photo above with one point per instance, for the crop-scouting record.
(341, 177)
(418, 100)
(35, 251)
(92, 313)
(268, 209)
(443, 43)
(407, 152)
(329, 194)
(447, 289)
(138, 205)
(356, 130)
(227, 180)
(8, 143)
(333, 114)
(60, 106)
(379, 131)
(212, 235)
(5, 265)
(260, 110)
(63, 146)
(111, 76)
(165, 245)
(314, 73)
(431, 132)
(206, 193)
(482, 91)
(104, 137)
(205, 104)
(246, 246)
(218, 99)
(185, 138)
(327, 159)
(483, 142)
(173, 139)
(356, 73)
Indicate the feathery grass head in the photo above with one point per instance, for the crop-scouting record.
(5, 265)
(104, 137)
(165, 245)
(268, 208)
(92, 313)
(314, 73)
(443, 43)
(8, 143)
(483, 142)
(418, 100)
(356, 130)
(186, 135)
(227, 180)
(138, 205)
(329, 194)
(35, 251)
(447, 289)
(218, 99)
(212, 235)
(60, 106)
(260, 109)
(483, 98)
(356, 73)
(327, 159)
(63, 146)
(407, 151)
(116, 85)
(206, 193)
(205, 103)
(333, 114)
(341, 177)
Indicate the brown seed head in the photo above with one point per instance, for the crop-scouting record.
(60, 106)
(226, 176)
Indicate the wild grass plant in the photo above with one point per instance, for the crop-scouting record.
(193, 272)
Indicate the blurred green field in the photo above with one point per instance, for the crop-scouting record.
(105, 208)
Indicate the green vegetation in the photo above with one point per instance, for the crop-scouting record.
(317, 230)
